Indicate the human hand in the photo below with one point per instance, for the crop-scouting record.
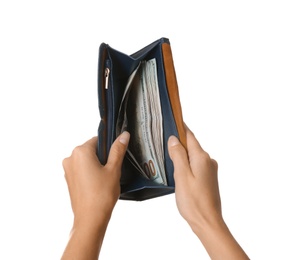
(94, 188)
(198, 199)
(195, 174)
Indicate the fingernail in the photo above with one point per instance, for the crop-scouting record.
(173, 141)
(124, 138)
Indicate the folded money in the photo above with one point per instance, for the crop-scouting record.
(140, 114)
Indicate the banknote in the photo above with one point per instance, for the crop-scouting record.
(140, 114)
(122, 120)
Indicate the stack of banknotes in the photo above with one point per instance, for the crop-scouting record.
(140, 114)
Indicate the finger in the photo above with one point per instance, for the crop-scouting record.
(92, 142)
(118, 149)
(193, 146)
(92, 147)
(88, 148)
(179, 157)
(214, 164)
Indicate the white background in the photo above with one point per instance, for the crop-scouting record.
(229, 60)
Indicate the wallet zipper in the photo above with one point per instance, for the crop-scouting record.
(107, 71)
(108, 88)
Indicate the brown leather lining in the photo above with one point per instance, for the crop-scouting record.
(173, 91)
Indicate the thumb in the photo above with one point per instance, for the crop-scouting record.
(179, 156)
(118, 149)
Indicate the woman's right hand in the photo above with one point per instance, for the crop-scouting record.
(198, 199)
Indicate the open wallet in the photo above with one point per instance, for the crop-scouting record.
(138, 93)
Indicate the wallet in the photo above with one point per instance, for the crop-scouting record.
(114, 70)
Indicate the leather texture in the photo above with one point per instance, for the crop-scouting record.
(173, 92)
(120, 65)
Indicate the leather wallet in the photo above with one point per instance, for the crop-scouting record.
(114, 70)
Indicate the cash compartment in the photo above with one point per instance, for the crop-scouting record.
(133, 185)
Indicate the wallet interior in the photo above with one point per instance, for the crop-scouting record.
(115, 69)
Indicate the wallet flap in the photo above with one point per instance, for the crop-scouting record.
(173, 92)
(139, 55)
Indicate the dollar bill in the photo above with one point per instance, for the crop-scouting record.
(122, 120)
(140, 114)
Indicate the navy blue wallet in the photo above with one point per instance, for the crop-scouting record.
(114, 71)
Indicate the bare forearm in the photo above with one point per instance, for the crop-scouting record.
(219, 242)
(85, 240)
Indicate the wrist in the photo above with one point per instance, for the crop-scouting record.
(92, 220)
(93, 212)
(218, 239)
(86, 236)
(202, 225)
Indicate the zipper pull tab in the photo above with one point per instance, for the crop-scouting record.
(107, 71)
